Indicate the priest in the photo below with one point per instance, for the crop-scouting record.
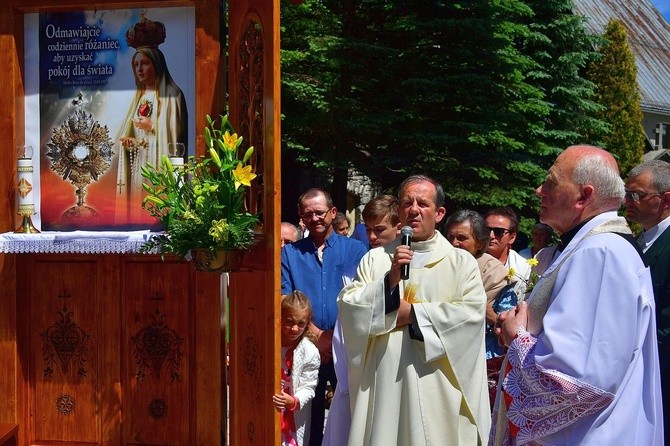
(582, 365)
(417, 373)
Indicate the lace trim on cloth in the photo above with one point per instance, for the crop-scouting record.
(541, 401)
(76, 242)
(500, 434)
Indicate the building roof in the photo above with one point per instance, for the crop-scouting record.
(649, 37)
(659, 154)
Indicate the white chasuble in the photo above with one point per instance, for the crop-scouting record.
(409, 392)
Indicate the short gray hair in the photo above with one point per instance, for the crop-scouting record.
(480, 231)
(593, 169)
(660, 174)
(297, 231)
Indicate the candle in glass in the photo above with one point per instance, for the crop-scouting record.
(176, 153)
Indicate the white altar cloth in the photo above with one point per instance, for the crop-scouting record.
(75, 242)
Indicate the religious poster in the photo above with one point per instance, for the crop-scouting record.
(113, 92)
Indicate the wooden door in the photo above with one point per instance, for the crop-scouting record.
(157, 335)
(66, 341)
(118, 350)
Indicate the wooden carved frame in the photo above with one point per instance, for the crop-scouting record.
(210, 97)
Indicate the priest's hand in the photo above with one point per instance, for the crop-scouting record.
(491, 315)
(508, 323)
(403, 256)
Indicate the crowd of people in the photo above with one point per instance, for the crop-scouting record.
(434, 330)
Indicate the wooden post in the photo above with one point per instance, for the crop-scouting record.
(254, 107)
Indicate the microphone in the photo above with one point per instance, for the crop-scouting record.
(406, 234)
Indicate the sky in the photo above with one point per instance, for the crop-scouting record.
(664, 7)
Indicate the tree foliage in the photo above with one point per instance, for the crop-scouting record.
(615, 75)
(563, 49)
(479, 94)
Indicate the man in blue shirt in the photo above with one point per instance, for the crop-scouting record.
(316, 266)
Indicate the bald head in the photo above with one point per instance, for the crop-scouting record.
(583, 182)
(598, 168)
(581, 151)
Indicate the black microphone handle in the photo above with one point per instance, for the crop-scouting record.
(404, 269)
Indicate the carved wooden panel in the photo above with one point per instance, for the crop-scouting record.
(64, 344)
(156, 355)
(254, 107)
(250, 50)
(121, 349)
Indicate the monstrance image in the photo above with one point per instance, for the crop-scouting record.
(80, 151)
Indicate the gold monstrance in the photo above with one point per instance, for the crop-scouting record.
(80, 151)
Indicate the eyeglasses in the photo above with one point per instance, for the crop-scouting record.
(318, 214)
(636, 196)
(499, 232)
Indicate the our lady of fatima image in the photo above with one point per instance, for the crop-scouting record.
(156, 117)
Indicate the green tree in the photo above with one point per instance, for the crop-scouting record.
(476, 117)
(563, 49)
(458, 90)
(615, 76)
(434, 87)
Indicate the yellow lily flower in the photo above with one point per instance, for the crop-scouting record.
(243, 175)
(230, 140)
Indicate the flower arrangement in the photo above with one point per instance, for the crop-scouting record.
(201, 205)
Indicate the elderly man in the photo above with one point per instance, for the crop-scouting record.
(316, 265)
(417, 373)
(289, 233)
(648, 203)
(582, 364)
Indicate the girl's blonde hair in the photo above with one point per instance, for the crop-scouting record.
(298, 301)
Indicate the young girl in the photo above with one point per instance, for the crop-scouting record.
(300, 369)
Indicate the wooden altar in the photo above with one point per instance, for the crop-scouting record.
(77, 330)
